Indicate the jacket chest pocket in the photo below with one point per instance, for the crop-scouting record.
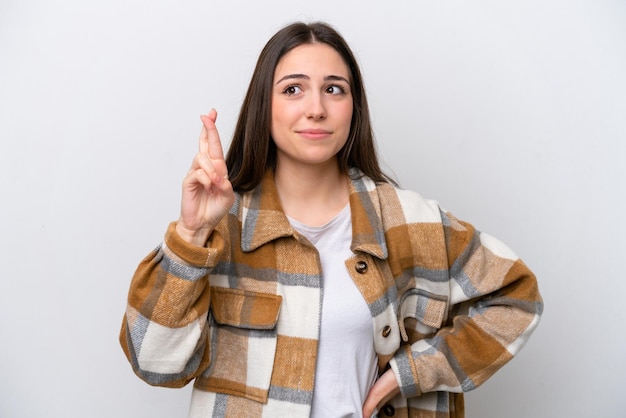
(421, 314)
(243, 342)
(244, 308)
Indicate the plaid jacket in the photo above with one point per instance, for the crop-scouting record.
(449, 306)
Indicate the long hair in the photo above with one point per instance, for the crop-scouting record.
(252, 150)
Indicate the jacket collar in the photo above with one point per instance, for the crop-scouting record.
(263, 219)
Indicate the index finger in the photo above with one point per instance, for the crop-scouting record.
(214, 144)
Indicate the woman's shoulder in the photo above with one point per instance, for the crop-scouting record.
(414, 206)
(394, 203)
(393, 196)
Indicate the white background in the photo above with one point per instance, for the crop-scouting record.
(510, 114)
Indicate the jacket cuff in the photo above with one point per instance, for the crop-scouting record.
(195, 256)
(403, 367)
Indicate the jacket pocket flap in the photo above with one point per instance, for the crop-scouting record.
(426, 307)
(244, 308)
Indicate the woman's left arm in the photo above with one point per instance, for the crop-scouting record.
(495, 305)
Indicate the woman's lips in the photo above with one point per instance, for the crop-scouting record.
(314, 133)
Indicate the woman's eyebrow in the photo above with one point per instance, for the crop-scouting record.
(294, 76)
(336, 78)
(306, 77)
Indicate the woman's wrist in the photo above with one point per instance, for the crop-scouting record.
(197, 237)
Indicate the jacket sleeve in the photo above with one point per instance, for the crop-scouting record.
(494, 307)
(164, 330)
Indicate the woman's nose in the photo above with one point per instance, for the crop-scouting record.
(315, 107)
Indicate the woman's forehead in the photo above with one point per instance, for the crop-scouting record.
(312, 60)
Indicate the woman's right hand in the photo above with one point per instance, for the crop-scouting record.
(207, 193)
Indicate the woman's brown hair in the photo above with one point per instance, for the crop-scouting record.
(252, 150)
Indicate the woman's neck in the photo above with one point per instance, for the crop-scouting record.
(312, 194)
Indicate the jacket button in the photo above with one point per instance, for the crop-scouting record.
(360, 267)
(386, 332)
(389, 410)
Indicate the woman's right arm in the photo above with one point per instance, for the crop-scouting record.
(164, 332)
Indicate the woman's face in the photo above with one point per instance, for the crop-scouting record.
(311, 105)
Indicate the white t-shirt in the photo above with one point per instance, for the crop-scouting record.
(346, 363)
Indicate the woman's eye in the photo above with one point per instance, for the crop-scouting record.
(335, 90)
(292, 90)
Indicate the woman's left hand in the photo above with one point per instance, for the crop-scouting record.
(385, 388)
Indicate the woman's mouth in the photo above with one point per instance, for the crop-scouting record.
(314, 133)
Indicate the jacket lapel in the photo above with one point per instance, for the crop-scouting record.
(368, 234)
(262, 216)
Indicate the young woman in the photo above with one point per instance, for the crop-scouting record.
(301, 281)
